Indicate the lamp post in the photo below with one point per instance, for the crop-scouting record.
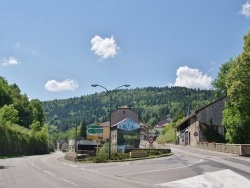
(110, 99)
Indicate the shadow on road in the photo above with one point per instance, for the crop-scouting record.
(5, 167)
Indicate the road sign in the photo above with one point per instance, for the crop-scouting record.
(92, 137)
(151, 139)
(195, 134)
(94, 129)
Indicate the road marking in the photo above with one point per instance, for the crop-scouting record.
(73, 166)
(49, 173)
(165, 169)
(90, 170)
(67, 181)
(35, 166)
(222, 178)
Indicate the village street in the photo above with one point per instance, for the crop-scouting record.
(187, 167)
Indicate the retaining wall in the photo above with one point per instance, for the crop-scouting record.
(238, 149)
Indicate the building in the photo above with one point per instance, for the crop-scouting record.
(126, 129)
(191, 129)
(125, 134)
(106, 130)
(143, 131)
(161, 125)
(123, 112)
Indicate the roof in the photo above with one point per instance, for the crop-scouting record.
(165, 121)
(197, 111)
(124, 108)
(185, 119)
(143, 124)
(129, 124)
(121, 122)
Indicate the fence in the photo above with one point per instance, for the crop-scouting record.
(239, 149)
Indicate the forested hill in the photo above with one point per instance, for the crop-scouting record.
(152, 104)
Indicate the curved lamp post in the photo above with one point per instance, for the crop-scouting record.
(110, 99)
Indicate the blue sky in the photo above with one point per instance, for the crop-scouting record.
(55, 49)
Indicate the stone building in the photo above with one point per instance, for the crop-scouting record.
(122, 113)
(191, 129)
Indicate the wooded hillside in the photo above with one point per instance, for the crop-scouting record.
(152, 104)
(22, 123)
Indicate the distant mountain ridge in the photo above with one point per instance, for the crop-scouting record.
(153, 104)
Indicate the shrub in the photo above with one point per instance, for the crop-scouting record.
(103, 154)
(119, 156)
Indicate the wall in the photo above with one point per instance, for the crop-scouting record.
(194, 127)
(213, 114)
(238, 149)
(105, 133)
(122, 113)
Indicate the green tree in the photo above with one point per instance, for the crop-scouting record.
(8, 114)
(237, 111)
(83, 130)
(152, 121)
(220, 82)
(179, 115)
(37, 111)
(5, 93)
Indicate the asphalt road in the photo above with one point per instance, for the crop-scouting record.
(187, 167)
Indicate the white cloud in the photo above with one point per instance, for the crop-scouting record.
(53, 85)
(246, 9)
(105, 48)
(192, 78)
(10, 61)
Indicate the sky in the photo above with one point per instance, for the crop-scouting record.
(55, 49)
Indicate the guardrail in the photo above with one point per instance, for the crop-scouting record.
(239, 149)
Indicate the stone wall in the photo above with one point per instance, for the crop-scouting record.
(212, 114)
(238, 149)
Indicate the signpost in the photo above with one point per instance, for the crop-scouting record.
(151, 141)
(94, 132)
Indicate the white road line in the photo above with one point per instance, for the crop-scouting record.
(165, 169)
(222, 178)
(35, 166)
(90, 170)
(73, 166)
(67, 181)
(49, 173)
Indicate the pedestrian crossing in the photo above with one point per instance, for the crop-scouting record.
(223, 178)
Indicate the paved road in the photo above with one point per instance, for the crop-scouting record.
(188, 167)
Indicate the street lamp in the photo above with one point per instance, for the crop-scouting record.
(110, 99)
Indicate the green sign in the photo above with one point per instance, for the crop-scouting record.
(94, 129)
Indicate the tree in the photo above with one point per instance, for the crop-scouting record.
(8, 114)
(236, 114)
(219, 82)
(37, 111)
(5, 93)
(152, 121)
(179, 115)
(83, 130)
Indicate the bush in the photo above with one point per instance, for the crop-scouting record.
(168, 134)
(119, 156)
(103, 154)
